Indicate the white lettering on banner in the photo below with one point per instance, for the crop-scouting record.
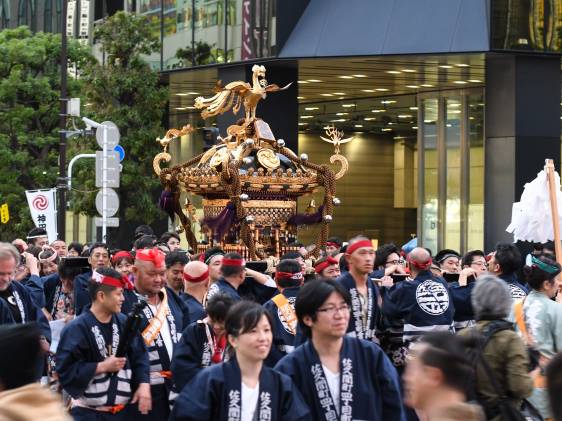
(42, 206)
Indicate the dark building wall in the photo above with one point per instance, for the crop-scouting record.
(522, 130)
(279, 110)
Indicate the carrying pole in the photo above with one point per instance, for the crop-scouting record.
(549, 169)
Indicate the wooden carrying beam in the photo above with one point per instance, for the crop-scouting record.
(549, 169)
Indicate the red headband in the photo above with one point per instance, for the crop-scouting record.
(420, 265)
(353, 247)
(233, 262)
(121, 254)
(323, 265)
(332, 244)
(195, 279)
(298, 276)
(111, 281)
(153, 255)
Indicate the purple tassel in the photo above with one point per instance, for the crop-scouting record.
(166, 203)
(306, 219)
(221, 223)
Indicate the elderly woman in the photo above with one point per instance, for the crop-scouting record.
(505, 352)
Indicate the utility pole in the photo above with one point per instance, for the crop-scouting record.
(161, 35)
(62, 184)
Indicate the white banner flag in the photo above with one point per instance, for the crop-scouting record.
(43, 208)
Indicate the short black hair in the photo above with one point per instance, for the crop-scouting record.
(228, 271)
(164, 238)
(382, 253)
(313, 295)
(469, 256)
(549, 246)
(218, 305)
(335, 240)
(288, 266)
(97, 246)
(145, 241)
(176, 257)
(291, 255)
(143, 230)
(508, 257)
(212, 251)
(447, 353)
(67, 270)
(78, 247)
(244, 316)
(94, 287)
(20, 354)
(535, 276)
(445, 254)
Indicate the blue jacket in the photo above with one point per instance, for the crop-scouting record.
(424, 303)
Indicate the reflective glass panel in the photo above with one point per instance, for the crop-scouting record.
(430, 200)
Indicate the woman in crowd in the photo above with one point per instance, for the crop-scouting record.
(75, 249)
(243, 388)
(539, 320)
(49, 260)
(123, 262)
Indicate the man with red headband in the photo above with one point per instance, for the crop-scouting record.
(195, 286)
(289, 278)
(100, 383)
(163, 320)
(360, 256)
(333, 246)
(327, 268)
(423, 303)
(233, 275)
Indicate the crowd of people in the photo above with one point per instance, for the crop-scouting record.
(157, 333)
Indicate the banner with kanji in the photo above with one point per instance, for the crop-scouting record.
(43, 209)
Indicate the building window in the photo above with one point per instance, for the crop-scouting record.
(48, 16)
(26, 14)
(4, 13)
(451, 170)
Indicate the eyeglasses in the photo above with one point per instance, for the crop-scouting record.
(333, 310)
(481, 264)
(395, 262)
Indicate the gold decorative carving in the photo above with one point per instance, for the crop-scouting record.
(268, 159)
(233, 95)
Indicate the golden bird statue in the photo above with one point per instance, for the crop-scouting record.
(234, 94)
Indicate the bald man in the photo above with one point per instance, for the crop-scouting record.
(163, 320)
(195, 285)
(422, 302)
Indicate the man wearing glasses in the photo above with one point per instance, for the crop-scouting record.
(473, 265)
(340, 377)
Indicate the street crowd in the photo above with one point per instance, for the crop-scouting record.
(156, 332)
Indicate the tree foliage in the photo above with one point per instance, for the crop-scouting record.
(126, 91)
(29, 117)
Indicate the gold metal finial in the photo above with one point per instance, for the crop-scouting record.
(173, 134)
(165, 142)
(336, 139)
(238, 93)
